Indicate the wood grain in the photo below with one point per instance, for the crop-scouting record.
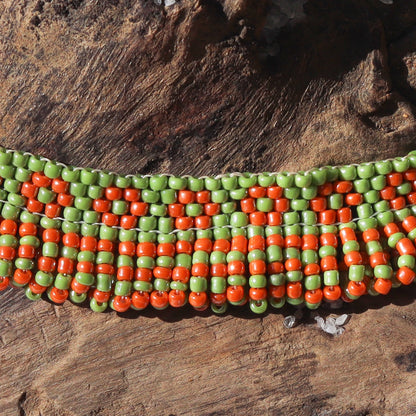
(196, 88)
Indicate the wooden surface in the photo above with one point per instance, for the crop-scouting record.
(198, 88)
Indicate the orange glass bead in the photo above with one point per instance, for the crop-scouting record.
(275, 240)
(275, 267)
(203, 244)
(239, 243)
(344, 214)
(35, 288)
(165, 249)
(146, 249)
(410, 175)
(274, 218)
(311, 269)
(52, 210)
(27, 228)
(405, 246)
(388, 193)
(121, 303)
(29, 190)
(184, 223)
(51, 235)
(325, 189)
(113, 193)
(293, 264)
(22, 277)
(257, 243)
(218, 298)
(140, 300)
(88, 243)
(411, 197)
(46, 264)
(59, 185)
(327, 217)
(198, 300)
(409, 223)
(40, 179)
(125, 273)
(258, 218)
(354, 199)
(281, 205)
(7, 253)
(378, 258)
(100, 296)
(203, 197)
(371, 235)
(4, 282)
(66, 200)
(184, 247)
(127, 248)
(128, 222)
(203, 222)
(332, 292)
(318, 204)
(139, 208)
(142, 274)
(85, 266)
(212, 208)
(274, 192)
(235, 293)
(342, 187)
(200, 269)
(398, 203)
(293, 241)
(257, 293)
(277, 291)
(186, 197)
(58, 295)
(257, 267)
(313, 296)
(104, 268)
(33, 205)
(394, 179)
(294, 290)
(382, 286)
(101, 205)
(26, 252)
(329, 239)
(248, 205)
(219, 270)
(353, 257)
(356, 288)
(131, 194)
(257, 191)
(159, 300)
(65, 265)
(77, 287)
(391, 229)
(71, 240)
(8, 227)
(329, 263)
(236, 267)
(160, 272)
(347, 234)
(181, 274)
(405, 275)
(177, 298)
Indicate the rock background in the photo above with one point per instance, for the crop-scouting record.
(204, 87)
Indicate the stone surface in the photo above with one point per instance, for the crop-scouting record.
(201, 87)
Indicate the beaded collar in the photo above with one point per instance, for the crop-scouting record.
(265, 239)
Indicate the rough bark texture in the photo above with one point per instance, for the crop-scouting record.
(199, 88)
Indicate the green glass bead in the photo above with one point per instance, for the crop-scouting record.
(238, 231)
(43, 278)
(7, 171)
(123, 288)
(77, 189)
(122, 181)
(247, 180)
(385, 218)
(22, 174)
(149, 196)
(86, 256)
(194, 210)
(361, 185)
(166, 225)
(309, 217)
(158, 182)
(277, 303)
(69, 252)
(258, 306)
(237, 280)
(310, 229)
(50, 249)
(291, 193)
(312, 306)
(165, 261)
(103, 282)
(266, 179)
(88, 176)
(229, 182)
(222, 233)
(86, 279)
(16, 200)
(335, 201)
(24, 264)
(72, 214)
(45, 195)
(46, 223)
(70, 174)
(406, 260)
(412, 234)
(312, 282)
(6, 157)
(401, 214)
(349, 246)
(373, 247)
(277, 279)
(177, 183)
(272, 230)
(364, 211)
(295, 302)
(228, 207)
(303, 180)
(292, 230)
(168, 196)
(200, 257)
(220, 196)
(219, 309)
(298, 204)
(161, 285)
(98, 307)
(331, 278)
(95, 191)
(62, 282)
(257, 281)
(294, 276)
(365, 170)
(378, 182)
(274, 253)
(348, 173)
(83, 203)
(11, 185)
(105, 179)
(256, 255)
(394, 239)
(32, 296)
(5, 268)
(220, 220)
(145, 262)
(383, 167)
(124, 260)
(285, 180)
(332, 173)
(30, 240)
(401, 164)
(183, 260)
(147, 223)
(7, 240)
(212, 184)
(253, 230)
(90, 230)
(145, 237)
(140, 182)
(9, 212)
(309, 192)
(158, 210)
(166, 238)
(77, 298)
(366, 223)
(291, 218)
(218, 284)
(204, 234)
(404, 188)
(176, 285)
(35, 164)
(19, 159)
(91, 217)
(198, 284)
(383, 271)
(119, 207)
(104, 257)
(309, 257)
(356, 272)
(319, 176)
(218, 257)
(372, 196)
(238, 219)
(238, 194)
(291, 253)
(235, 255)
(52, 170)
(333, 229)
(195, 184)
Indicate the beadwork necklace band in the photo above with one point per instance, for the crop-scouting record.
(264, 239)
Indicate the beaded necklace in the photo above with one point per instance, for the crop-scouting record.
(264, 239)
